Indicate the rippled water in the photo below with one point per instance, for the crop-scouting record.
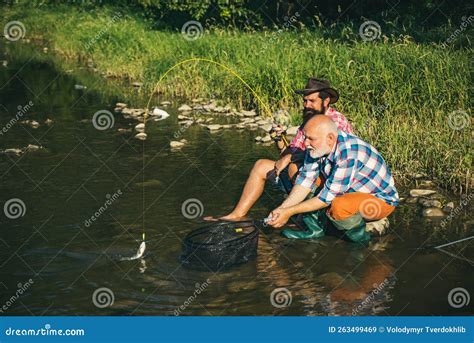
(81, 168)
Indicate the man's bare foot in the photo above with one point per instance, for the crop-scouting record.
(229, 217)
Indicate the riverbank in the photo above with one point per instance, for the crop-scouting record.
(409, 100)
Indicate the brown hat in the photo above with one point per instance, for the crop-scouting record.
(317, 85)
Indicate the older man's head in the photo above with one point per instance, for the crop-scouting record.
(320, 135)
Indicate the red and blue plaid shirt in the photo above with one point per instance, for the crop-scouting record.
(352, 166)
(341, 121)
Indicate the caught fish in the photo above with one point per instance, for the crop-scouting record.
(139, 254)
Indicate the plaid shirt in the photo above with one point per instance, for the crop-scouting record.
(341, 121)
(352, 166)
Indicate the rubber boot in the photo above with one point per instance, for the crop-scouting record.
(315, 223)
(353, 227)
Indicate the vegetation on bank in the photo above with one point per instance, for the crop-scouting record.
(400, 95)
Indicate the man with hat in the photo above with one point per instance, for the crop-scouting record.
(317, 96)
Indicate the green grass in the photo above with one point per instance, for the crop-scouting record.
(397, 93)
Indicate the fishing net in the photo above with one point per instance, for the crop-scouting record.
(220, 246)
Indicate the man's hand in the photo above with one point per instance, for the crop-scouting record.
(282, 163)
(279, 217)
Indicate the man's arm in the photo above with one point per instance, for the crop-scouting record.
(297, 195)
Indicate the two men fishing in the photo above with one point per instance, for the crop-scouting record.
(335, 181)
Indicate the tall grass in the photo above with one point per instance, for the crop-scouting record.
(397, 93)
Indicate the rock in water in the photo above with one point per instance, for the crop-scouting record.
(140, 127)
(448, 207)
(421, 192)
(433, 212)
(430, 203)
(142, 136)
(214, 127)
(176, 144)
(185, 108)
(161, 114)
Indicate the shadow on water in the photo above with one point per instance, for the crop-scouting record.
(68, 256)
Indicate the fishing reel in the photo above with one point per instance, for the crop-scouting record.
(277, 136)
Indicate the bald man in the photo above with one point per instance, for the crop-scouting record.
(343, 183)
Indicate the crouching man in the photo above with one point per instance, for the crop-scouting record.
(343, 183)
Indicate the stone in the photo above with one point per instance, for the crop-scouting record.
(419, 176)
(32, 147)
(120, 105)
(240, 126)
(122, 130)
(426, 183)
(79, 87)
(183, 117)
(448, 207)
(140, 127)
(266, 139)
(13, 151)
(48, 121)
(208, 120)
(266, 127)
(433, 212)
(421, 192)
(252, 126)
(430, 203)
(186, 122)
(292, 130)
(250, 113)
(411, 200)
(165, 103)
(176, 144)
(142, 136)
(185, 108)
(137, 84)
(214, 127)
(258, 139)
(227, 126)
(377, 227)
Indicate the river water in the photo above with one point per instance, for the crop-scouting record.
(68, 258)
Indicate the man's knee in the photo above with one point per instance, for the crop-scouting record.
(263, 166)
(341, 208)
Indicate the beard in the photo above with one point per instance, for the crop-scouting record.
(317, 153)
(308, 113)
